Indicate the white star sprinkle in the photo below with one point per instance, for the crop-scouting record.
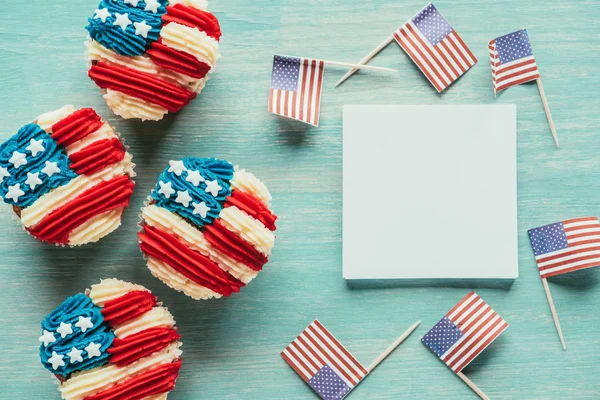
(142, 28)
(165, 189)
(33, 180)
(213, 187)
(84, 323)
(152, 5)
(122, 20)
(51, 168)
(56, 360)
(64, 330)
(93, 350)
(194, 177)
(47, 338)
(3, 173)
(132, 2)
(14, 192)
(18, 159)
(177, 167)
(75, 355)
(102, 14)
(201, 209)
(35, 147)
(183, 198)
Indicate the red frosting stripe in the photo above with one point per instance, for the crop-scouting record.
(157, 380)
(76, 126)
(126, 350)
(141, 85)
(194, 18)
(108, 195)
(178, 61)
(97, 156)
(190, 263)
(129, 306)
(253, 207)
(234, 246)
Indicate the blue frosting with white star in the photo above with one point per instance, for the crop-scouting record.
(17, 146)
(126, 42)
(69, 312)
(209, 169)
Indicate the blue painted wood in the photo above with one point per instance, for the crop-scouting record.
(231, 347)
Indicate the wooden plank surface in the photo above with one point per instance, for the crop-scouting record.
(231, 347)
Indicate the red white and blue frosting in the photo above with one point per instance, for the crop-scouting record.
(151, 57)
(114, 343)
(67, 176)
(208, 228)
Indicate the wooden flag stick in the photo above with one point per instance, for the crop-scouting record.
(358, 66)
(549, 116)
(367, 58)
(472, 386)
(554, 314)
(392, 347)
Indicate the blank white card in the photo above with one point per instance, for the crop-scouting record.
(430, 192)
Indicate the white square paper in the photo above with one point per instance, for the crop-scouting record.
(430, 192)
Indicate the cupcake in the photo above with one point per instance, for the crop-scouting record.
(207, 229)
(67, 176)
(114, 342)
(151, 57)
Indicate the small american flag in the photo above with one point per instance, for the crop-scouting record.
(464, 332)
(322, 361)
(296, 85)
(435, 47)
(512, 60)
(566, 246)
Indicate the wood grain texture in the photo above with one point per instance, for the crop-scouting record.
(231, 347)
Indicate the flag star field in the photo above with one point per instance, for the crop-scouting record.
(285, 74)
(328, 385)
(442, 336)
(513, 46)
(431, 23)
(548, 238)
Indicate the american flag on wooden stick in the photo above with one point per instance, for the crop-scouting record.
(321, 360)
(435, 47)
(296, 85)
(566, 246)
(512, 60)
(465, 331)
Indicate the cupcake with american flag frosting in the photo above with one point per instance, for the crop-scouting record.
(151, 57)
(112, 342)
(207, 229)
(67, 176)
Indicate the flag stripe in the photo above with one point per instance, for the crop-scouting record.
(293, 362)
(429, 53)
(582, 248)
(406, 45)
(485, 317)
(494, 333)
(358, 368)
(329, 354)
(464, 49)
(304, 102)
(442, 63)
(514, 72)
(316, 347)
(479, 325)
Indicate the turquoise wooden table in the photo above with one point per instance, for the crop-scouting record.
(231, 347)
